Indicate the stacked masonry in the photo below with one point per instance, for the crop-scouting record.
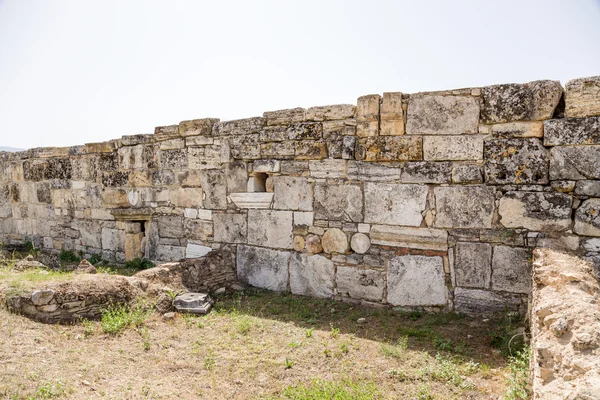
(424, 200)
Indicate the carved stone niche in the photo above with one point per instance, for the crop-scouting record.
(134, 222)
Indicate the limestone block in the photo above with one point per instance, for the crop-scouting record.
(273, 134)
(311, 275)
(588, 188)
(533, 101)
(303, 218)
(367, 115)
(338, 202)
(348, 147)
(582, 97)
(177, 158)
(170, 226)
(416, 281)
(328, 168)
(113, 239)
(245, 147)
(200, 158)
(282, 150)
(394, 204)
(592, 245)
(392, 115)
(360, 243)
(472, 265)
(391, 148)
(587, 218)
(172, 144)
(305, 131)
(310, 150)
(132, 157)
(426, 172)
(328, 113)
(252, 200)
(230, 228)
(366, 171)
(186, 197)
(104, 147)
(270, 228)
(575, 162)
(518, 129)
(42, 297)
(266, 166)
(464, 207)
(197, 127)
(198, 141)
(572, 131)
(133, 246)
(536, 211)
(515, 161)
(190, 213)
(480, 302)
(312, 244)
(133, 140)
(284, 117)
(169, 253)
(292, 193)
(263, 268)
(442, 115)
(197, 229)
(239, 127)
(363, 284)
(214, 184)
(195, 250)
(511, 269)
(453, 148)
(414, 238)
(467, 173)
(334, 241)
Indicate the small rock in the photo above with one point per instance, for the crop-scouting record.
(28, 263)
(169, 316)
(219, 291)
(361, 321)
(312, 243)
(85, 383)
(559, 327)
(42, 297)
(360, 243)
(332, 311)
(298, 243)
(194, 303)
(334, 241)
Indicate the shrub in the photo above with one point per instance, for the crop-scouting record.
(518, 383)
(139, 264)
(68, 256)
(117, 318)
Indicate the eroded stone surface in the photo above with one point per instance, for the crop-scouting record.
(587, 218)
(311, 275)
(270, 228)
(360, 243)
(230, 228)
(442, 115)
(292, 194)
(575, 162)
(537, 211)
(364, 284)
(263, 268)
(582, 97)
(464, 207)
(572, 131)
(390, 148)
(481, 302)
(472, 266)
(515, 161)
(339, 202)
(193, 303)
(414, 238)
(334, 241)
(453, 148)
(511, 269)
(416, 281)
(394, 204)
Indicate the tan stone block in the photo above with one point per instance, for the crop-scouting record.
(186, 197)
(197, 127)
(392, 127)
(133, 246)
(367, 129)
(518, 129)
(104, 147)
(367, 108)
(582, 97)
(115, 198)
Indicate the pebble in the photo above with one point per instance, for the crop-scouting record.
(361, 321)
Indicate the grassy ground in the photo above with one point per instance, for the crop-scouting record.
(258, 345)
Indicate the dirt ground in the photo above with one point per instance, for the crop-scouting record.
(258, 345)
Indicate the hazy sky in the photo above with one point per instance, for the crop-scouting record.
(77, 71)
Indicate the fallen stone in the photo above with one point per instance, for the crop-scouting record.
(416, 281)
(42, 297)
(334, 241)
(28, 263)
(169, 316)
(193, 303)
(582, 97)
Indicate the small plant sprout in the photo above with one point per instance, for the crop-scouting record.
(309, 332)
(288, 363)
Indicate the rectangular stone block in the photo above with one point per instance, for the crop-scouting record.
(361, 284)
(587, 220)
(197, 127)
(239, 127)
(518, 129)
(515, 161)
(416, 281)
(172, 144)
(572, 131)
(511, 269)
(113, 239)
(392, 115)
(270, 228)
(263, 268)
(536, 211)
(170, 226)
(582, 97)
(587, 188)
(467, 173)
(442, 115)
(464, 207)
(472, 265)
(168, 253)
(574, 162)
(366, 171)
(230, 228)
(310, 150)
(177, 158)
(214, 185)
(197, 229)
(245, 147)
(394, 204)
(195, 250)
(284, 117)
(266, 166)
(280, 150)
(186, 197)
(338, 202)
(414, 238)
(292, 193)
(390, 148)
(453, 148)
(311, 275)
(328, 168)
(328, 113)
(479, 302)
(426, 172)
(133, 246)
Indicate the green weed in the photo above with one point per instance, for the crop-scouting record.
(518, 382)
(139, 264)
(68, 256)
(326, 390)
(117, 318)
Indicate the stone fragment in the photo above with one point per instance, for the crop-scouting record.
(239, 127)
(464, 207)
(338, 202)
(230, 228)
(394, 204)
(214, 184)
(519, 129)
(303, 218)
(366, 171)
(327, 113)
(313, 244)
(536, 211)
(392, 115)
(414, 238)
(311, 275)
(592, 245)
(360, 243)
(363, 284)
(426, 172)
(515, 161)
(270, 228)
(334, 241)
(284, 117)
(292, 193)
(42, 297)
(453, 148)
(266, 166)
(416, 281)
(197, 127)
(299, 243)
(563, 186)
(575, 162)
(193, 303)
(588, 188)
(467, 173)
(472, 265)
(263, 268)
(511, 269)
(479, 302)
(533, 101)
(196, 250)
(442, 115)
(348, 147)
(587, 218)
(328, 168)
(582, 97)
(572, 131)
(390, 148)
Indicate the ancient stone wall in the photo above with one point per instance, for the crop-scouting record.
(422, 200)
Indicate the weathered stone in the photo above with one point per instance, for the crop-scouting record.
(480, 302)
(519, 129)
(230, 228)
(270, 228)
(511, 269)
(587, 188)
(299, 243)
(515, 161)
(284, 117)
(327, 168)
(177, 158)
(311, 275)
(582, 97)
(587, 218)
(390, 148)
(575, 162)
(133, 246)
(426, 172)
(464, 207)
(313, 244)
(186, 197)
(334, 241)
(592, 245)
(467, 173)
(282, 150)
(360, 243)
(252, 200)
(472, 266)
(367, 115)
(348, 147)
(42, 297)
(366, 171)
(197, 127)
(533, 101)
(196, 250)
(113, 239)
(334, 112)
(363, 284)
(537, 211)
(442, 115)
(266, 166)
(263, 268)
(414, 238)
(239, 127)
(453, 148)
(392, 115)
(214, 184)
(169, 253)
(394, 204)
(245, 147)
(416, 281)
(572, 131)
(292, 193)
(338, 202)
(193, 303)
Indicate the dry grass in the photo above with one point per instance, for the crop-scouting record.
(257, 346)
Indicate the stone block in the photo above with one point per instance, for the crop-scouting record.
(587, 188)
(348, 147)
(592, 245)
(362, 284)
(367, 108)
(394, 204)
(518, 129)
(536, 211)
(533, 101)
(266, 166)
(186, 197)
(360, 243)
(133, 246)
(311, 275)
(230, 228)
(310, 150)
(270, 228)
(303, 218)
(305, 131)
(472, 265)
(414, 238)
(170, 226)
(575, 162)
(338, 202)
(252, 200)
(582, 97)
(292, 193)
(197, 127)
(334, 241)
(587, 218)
(416, 281)
(467, 173)
(453, 148)
(328, 113)
(329, 168)
(481, 302)
(214, 184)
(392, 115)
(263, 268)
(169, 253)
(113, 239)
(195, 250)
(174, 158)
(131, 157)
(197, 229)
(515, 161)
(572, 131)
(391, 148)
(239, 127)
(464, 207)
(366, 171)
(442, 115)
(245, 147)
(511, 269)
(284, 117)
(172, 144)
(426, 172)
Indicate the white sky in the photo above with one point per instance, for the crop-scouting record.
(77, 71)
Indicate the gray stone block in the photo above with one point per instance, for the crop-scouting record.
(395, 204)
(263, 268)
(481, 302)
(453, 148)
(426, 172)
(416, 281)
(311, 275)
(230, 228)
(339, 202)
(193, 303)
(575, 162)
(588, 188)
(472, 265)
(511, 269)
(442, 115)
(587, 218)
(362, 284)
(537, 211)
(270, 228)
(572, 131)
(292, 193)
(464, 207)
(515, 161)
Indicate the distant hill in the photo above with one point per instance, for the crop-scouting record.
(10, 149)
